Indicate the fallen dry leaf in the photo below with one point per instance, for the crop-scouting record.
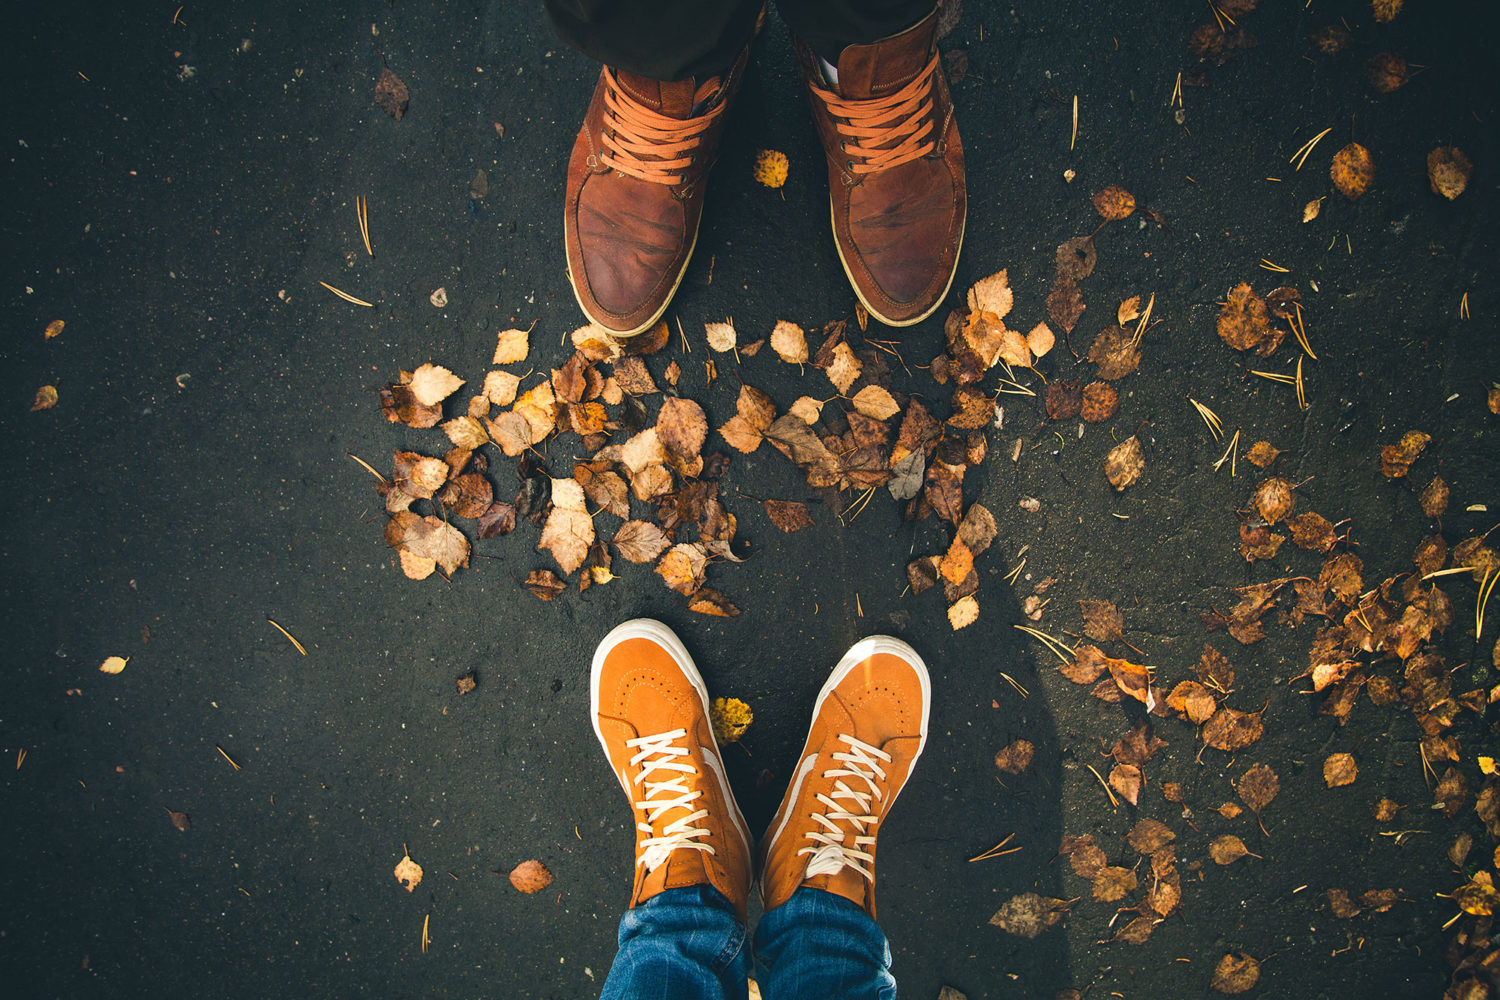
(180, 820)
(1126, 779)
(1339, 770)
(1448, 171)
(1231, 729)
(544, 584)
(721, 336)
(1150, 835)
(1387, 71)
(530, 877)
(46, 398)
(708, 601)
(512, 346)
(1065, 303)
(682, 426)
(1113, 882)
(1194, 701)
(1227, 849)
(1273, 499)
(408, 873)
(788, 515)
(1311, 210)
(991, 295)
(391, 94)
(1235, 974)
(431, 384)
(113, 664)
(1434, 498)
(1099, 402)
(1385, 11)
(770, 168)
(1028, 914)
(1015, 756)
(963, 612)
(439, 297)
(1115, 352)
(1065, 399)
(789, 341)
(1102, 621)
(730, 719)
(1125, 463)
(1114, 203)
(1396, 459)
(1352, 170)
(56, 327)
(569, 530)
(467, 683)
(1244, 322)
(1258, 787)
(875, 402)
(844, 368)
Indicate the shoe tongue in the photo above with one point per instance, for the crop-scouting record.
(673, 99)
(876, 69)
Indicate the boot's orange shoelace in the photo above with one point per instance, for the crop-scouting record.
(884, 132)
(645, 144)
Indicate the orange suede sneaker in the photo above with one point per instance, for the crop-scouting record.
(869, 726)
(650, 711)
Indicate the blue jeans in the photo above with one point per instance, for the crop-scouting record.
(688, 944)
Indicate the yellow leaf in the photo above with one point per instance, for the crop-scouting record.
(512, 346)
(46, 398)
(54, 328)
(721, 336)
(963, 612)
(771, 168)
(1486, 765)
(114, 664)
(431, 384)
(409, 873)
(730, 718)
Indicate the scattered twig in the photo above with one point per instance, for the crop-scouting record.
(362, 210)
(996, 852)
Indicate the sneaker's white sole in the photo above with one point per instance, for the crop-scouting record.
(659, 633)
(857, 654)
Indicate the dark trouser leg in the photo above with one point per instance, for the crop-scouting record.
(658, 39)
(828, 26)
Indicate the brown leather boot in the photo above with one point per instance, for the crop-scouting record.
(868, 729)
(895, 170)
(635, 191)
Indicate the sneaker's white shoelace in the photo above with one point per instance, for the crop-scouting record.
(859, 808)
(660, 753)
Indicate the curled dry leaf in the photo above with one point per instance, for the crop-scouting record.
(1339, 770)
(730, 718)
(1114, 203)
(1125, 463)
(180, 820)
(1015, 757)
(1028, 914)
(963, 612)
(530, 877)
(408, 873)
(53, 329)
(708, 601)
(45, 399)
(1385, 11)
(1352, 171)
(439, 297)
(683, 567)
(544, 583)
(1227, 849)
(1235, 974)
(1448, 171)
